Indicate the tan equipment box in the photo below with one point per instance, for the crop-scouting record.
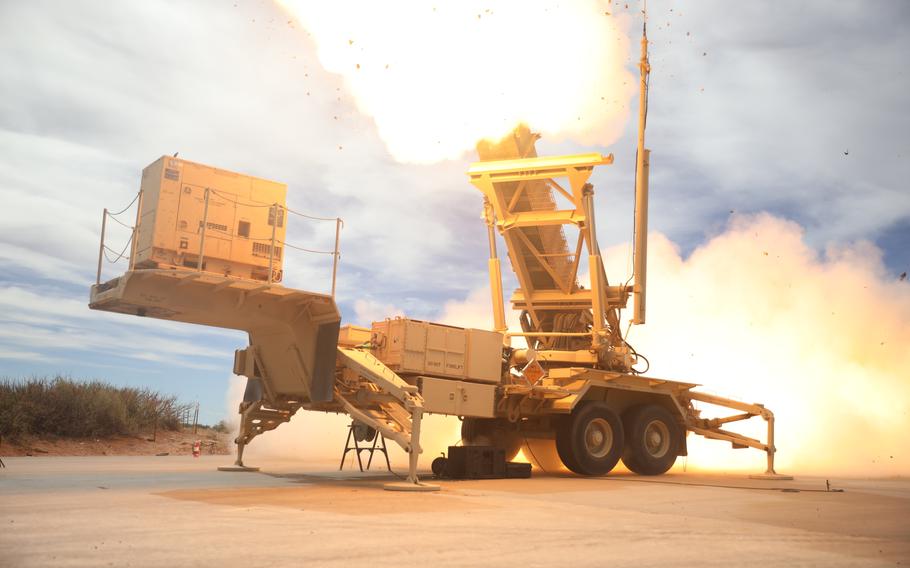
(459, 398)
(238, 220)
(416, 347)
(353, 335)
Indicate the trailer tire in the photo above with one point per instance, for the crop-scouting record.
(439, 466)
(491, 432)
(652, 439)
(590, 441)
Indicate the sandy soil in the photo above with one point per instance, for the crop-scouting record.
(179, 511)
(164, 443)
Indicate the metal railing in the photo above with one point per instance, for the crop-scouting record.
(103, 249)
(277, 212)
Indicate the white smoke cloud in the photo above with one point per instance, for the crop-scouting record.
(821, 340)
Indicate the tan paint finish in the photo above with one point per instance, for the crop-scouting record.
(281, 322)
(417, 347)
(238, 220)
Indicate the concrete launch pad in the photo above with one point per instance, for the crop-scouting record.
(180, 511)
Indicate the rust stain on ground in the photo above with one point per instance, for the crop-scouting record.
(334, 498)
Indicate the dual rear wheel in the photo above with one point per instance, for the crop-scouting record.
(653, 439)
(591, 440)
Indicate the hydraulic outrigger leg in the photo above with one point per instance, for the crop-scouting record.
(711, 428)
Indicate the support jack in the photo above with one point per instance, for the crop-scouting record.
(238, 464)
(411, 483)
(771, 476)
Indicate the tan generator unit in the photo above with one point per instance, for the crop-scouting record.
(421, 348)
(229, 218)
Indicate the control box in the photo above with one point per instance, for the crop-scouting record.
(417, 347)
(238, 214)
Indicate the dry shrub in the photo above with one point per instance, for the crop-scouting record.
(68, 408)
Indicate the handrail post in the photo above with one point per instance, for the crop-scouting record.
(135, 248)
(274, 217)
(101, 246)
(205, 218)
(336, 254)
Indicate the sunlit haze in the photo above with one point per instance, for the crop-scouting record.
(436, 77)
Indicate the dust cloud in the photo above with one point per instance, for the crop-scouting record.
(320, 437)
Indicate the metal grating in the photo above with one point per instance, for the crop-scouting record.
(263, 249)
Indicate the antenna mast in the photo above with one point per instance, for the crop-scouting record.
(642, 166)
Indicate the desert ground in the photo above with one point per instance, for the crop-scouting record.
(163, 442)
(181, 511)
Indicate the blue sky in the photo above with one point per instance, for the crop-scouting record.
(795, 109)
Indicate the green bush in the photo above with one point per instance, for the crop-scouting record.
(68, 408)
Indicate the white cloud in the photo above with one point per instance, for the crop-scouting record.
(41, 319)
(95, 91)
(368, 311)
(24, 355)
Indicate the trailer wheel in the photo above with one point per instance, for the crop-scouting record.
(439, 466)
(590, 442)
(491, 432)
(652, 439)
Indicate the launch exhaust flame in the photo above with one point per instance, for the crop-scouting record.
(436, 77)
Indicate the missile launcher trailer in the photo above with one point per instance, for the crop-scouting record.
(208, 250)
(569, 397)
